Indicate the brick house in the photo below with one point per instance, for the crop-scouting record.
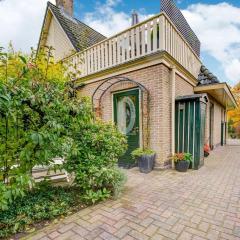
(148, 80)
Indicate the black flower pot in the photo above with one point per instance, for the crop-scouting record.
(182, 166)
(146, 163)
(206, 154)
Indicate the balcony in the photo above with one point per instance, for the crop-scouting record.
(151, 36)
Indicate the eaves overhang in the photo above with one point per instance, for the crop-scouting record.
(219, 91)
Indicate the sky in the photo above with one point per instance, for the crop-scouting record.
(215, 22)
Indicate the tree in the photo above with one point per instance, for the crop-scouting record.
(234, 115)
(41, 118)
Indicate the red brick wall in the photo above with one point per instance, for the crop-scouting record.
(183, 88)
(156, 80)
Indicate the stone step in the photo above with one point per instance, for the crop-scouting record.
(52, 178)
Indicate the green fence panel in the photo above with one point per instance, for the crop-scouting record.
(190, 127)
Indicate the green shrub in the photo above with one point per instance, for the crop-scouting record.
(93, 158)
(41, 118)
(43, 203)
(16, 187)
(140, 152)
(95, 144)
(99, 183)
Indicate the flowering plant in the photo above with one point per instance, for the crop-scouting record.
(206, 148)
(182, 157)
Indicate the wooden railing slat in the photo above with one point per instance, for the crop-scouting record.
(127, 46)
(143, 39)
(137, 42)
(133, 42)
(149, 37)
(155, 37)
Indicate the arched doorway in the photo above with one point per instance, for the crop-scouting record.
(130, 112)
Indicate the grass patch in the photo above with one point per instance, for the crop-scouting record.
(42, 204)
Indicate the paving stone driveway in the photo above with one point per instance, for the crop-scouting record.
(202, 204)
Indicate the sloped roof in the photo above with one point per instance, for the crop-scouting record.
(80, 35)
(205, 77)
(209, 83)
(221, 92)
(175, 14)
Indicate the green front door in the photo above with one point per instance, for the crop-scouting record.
(126, 117)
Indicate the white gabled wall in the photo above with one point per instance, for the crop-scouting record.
(57, 38)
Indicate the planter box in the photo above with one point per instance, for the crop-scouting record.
(182, 166)
(146, 163)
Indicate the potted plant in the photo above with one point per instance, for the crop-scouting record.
(145, 159)
(182, 161)
(206, 150)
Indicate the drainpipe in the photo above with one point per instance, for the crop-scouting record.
(173, 95)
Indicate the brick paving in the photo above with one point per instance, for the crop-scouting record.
(203, 204)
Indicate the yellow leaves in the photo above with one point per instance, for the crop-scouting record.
(37, 66)
(234, 115)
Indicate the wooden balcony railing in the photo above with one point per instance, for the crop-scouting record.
(155, 34)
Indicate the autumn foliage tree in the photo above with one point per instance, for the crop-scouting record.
(234, 115)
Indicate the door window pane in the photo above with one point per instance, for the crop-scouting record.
(126, 114)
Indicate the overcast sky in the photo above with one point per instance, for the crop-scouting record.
(216, 23)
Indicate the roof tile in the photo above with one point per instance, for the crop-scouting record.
(80, 35)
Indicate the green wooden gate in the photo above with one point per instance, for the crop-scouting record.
(190, 127)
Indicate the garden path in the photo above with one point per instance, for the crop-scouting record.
(203, 204)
